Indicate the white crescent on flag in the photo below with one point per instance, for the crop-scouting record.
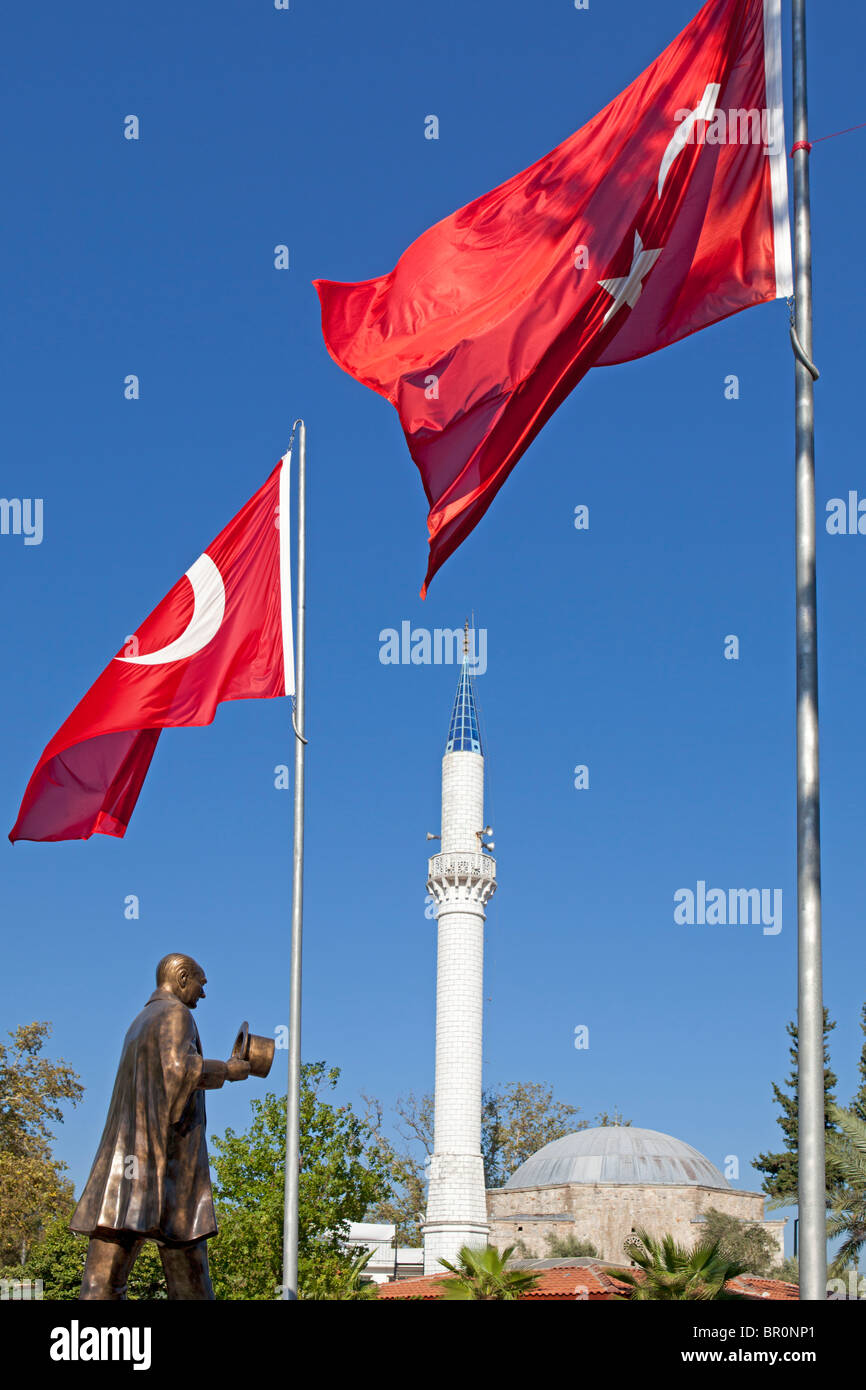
(703, 112)
(209, 606)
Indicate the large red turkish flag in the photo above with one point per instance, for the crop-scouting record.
(668, 211)
(224, 632)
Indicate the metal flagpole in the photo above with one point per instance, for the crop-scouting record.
(289, 1289)
(810, 1008)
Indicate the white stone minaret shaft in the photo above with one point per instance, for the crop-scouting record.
(461, 879)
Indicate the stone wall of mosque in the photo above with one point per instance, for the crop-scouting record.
(606, 1213)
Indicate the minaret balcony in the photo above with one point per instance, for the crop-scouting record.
(462, 877)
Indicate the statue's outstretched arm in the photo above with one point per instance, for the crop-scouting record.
(214, 1074)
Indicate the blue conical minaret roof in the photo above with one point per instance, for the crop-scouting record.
(463, 734)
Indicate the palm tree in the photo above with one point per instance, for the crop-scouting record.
(357, 1288)
(673, 1272)
(482, 1274)
(848, 1203)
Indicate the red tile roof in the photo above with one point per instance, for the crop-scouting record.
(590, 1283)
(774, 1289)
(563, 1283)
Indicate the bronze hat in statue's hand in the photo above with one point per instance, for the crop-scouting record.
(258, 1051)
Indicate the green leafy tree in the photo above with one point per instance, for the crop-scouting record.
(350, 1287)
(516, 1121)
(780, 1169)
(788, 1270)
(744, 1242)
(671, 1273)
(519, 1119)
(33, 1184)
(57, 1258)
(342, 1176)
(606, 1121)
(848, 1203)
(569, 1247)
(483, 1275)
(404, 1207)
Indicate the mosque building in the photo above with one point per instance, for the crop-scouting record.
(595, 1185)
(598, 1185)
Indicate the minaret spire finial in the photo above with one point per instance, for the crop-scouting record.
(463, 733)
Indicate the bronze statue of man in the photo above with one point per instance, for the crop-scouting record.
(150, 1179)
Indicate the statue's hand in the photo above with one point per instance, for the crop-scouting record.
(237, 1069)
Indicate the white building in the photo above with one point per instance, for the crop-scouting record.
(387, 1261)
(462, 877)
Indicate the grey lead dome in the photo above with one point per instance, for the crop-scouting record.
(618, 1153)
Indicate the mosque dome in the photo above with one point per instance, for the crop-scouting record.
(621, 1154)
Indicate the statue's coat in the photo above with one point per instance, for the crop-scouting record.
(151, 1173)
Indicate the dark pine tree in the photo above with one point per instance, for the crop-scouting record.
(780, 1169)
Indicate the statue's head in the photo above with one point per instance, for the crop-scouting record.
(183, 977)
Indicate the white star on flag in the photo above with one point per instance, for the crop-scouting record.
(626, 288)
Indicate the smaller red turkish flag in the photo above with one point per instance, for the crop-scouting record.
(224, 632)
(666, 212)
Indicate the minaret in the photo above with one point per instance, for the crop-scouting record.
(461, 879)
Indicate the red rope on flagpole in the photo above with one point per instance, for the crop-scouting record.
(846, 131)
(807, 144)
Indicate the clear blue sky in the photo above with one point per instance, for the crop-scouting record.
(155, 257)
